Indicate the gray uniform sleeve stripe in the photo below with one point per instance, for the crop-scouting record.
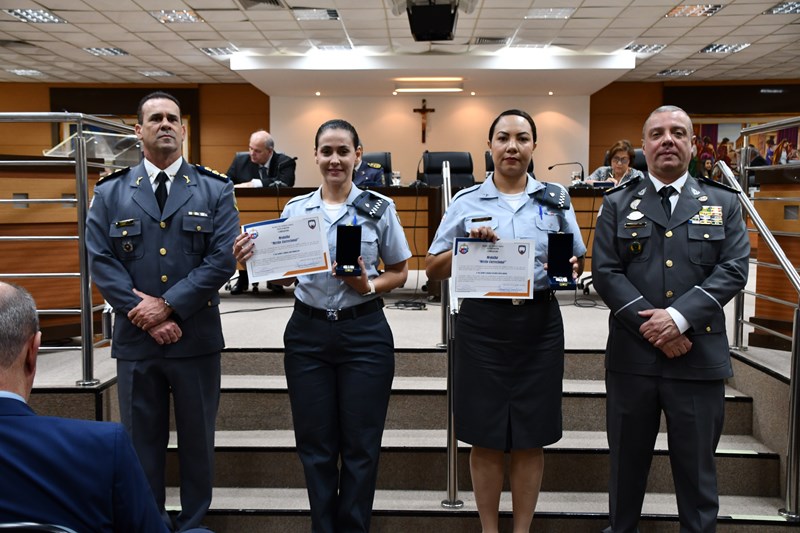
(699, 288)
(627, 304)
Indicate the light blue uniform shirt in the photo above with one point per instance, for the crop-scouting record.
(381, 239)
(481, 205)
(9, 394)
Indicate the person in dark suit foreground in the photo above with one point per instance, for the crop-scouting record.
(669, 252)
(76, 473)
(155, 236)
(262, 166)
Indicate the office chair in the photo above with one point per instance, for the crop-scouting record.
(460, 169)
(33, 527)
(490, 163)
(384, 159)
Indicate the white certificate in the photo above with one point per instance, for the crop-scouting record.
(287, 247)
(483, 269)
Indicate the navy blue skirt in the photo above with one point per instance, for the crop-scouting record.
(509, 367)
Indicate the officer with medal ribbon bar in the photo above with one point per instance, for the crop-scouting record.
(669, 252)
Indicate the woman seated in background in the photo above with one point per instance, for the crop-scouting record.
(707, 166)
(620, 156)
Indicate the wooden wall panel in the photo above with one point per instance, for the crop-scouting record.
(230, 113)
(618, 111)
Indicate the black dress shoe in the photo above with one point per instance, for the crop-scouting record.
(238, 288)
(274, 287)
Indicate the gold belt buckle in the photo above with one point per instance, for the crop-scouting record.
(517, 301)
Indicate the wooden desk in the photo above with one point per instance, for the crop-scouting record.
(55, 219)
(777, 181)
(586, 203)
(419, 210)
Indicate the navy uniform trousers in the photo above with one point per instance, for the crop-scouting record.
(339, 375)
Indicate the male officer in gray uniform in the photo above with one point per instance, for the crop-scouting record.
(669, 252)
(159, 237)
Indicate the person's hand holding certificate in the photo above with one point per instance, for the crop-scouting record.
(485, 269)
(287, 247)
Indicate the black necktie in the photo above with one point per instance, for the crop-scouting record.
(161, 190)
(262, 175)
(665, 193)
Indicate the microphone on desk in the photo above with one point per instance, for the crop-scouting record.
(551, 167)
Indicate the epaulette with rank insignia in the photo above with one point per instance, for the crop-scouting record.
(706, 181)
(554, 196)
(115, 174)
(624, 185)
(374, 165)
(371, 204)
(211, 172)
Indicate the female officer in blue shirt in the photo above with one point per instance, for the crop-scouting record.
(339, 349)
(509, 354)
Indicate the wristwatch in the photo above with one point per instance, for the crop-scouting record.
(371, 289)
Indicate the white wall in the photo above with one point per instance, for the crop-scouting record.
(460, 123)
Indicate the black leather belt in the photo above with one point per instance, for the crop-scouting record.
(539, 297)
(347, 313)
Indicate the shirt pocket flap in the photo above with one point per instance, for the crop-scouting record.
(196, 224)
(125, 228)
(702, 232)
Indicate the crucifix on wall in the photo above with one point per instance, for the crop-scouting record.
(424, 110)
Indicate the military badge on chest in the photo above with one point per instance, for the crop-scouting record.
(635, 221)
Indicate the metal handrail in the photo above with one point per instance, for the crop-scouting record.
(81, 201)
(449, 315)
(792, 498)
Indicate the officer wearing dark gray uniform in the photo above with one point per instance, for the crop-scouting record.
(161, 268)
(669, 252)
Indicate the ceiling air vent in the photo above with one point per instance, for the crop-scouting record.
(263, 4)
(492, 41)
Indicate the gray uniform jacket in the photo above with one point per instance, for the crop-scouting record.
(695, 263)
(183, 255)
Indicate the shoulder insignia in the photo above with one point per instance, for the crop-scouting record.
(705, 181)
(371, 204)
(115, 174)
(211, 172)
(374, 165)
(553, 195)
(624, 185)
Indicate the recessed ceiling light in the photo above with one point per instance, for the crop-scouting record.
(472, 93)
(724, 48)
(333, 47)
(429, 89)
(784, 8)
(37, 16)
(306, 13)
(156, 73)
(698, 10)
(171, 16)
(645, 48)
(97, 51)
(550, 13)
(318, 93)
(675, 73)
(530, 45)
(24, 71)
(426, 79)
(215, 51)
